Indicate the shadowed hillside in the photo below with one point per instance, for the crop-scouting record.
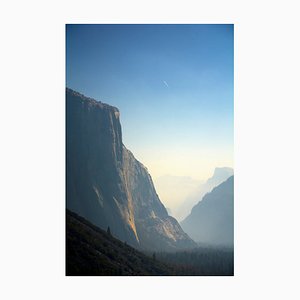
(211, 220)
(93, 251)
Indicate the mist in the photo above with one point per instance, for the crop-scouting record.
(181, 193)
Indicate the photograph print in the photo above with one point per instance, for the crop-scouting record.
(149, 149)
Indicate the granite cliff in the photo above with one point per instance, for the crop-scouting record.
(107, 185)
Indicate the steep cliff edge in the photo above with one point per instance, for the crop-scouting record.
(107, 185)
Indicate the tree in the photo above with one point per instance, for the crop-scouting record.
(108, 230)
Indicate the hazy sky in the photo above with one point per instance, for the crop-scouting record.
(173, 85)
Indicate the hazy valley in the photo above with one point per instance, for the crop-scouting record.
(109, 188)
(180, 193)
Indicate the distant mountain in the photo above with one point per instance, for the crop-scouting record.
(92, 251)
(211, 220)
(107, 185)
(219, 176)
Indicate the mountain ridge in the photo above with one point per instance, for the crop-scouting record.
(211, 219)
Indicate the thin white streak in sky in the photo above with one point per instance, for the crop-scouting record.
(166, 84)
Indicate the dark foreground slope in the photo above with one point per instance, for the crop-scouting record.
(92, 251)
(211, 220)
(108, 186)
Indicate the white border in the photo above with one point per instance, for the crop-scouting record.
(266, 149)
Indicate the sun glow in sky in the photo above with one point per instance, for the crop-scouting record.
(173, 85)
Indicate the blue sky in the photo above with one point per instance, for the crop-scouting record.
(173, 85)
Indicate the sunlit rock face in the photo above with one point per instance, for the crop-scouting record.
(107, 185)
(211, 220)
